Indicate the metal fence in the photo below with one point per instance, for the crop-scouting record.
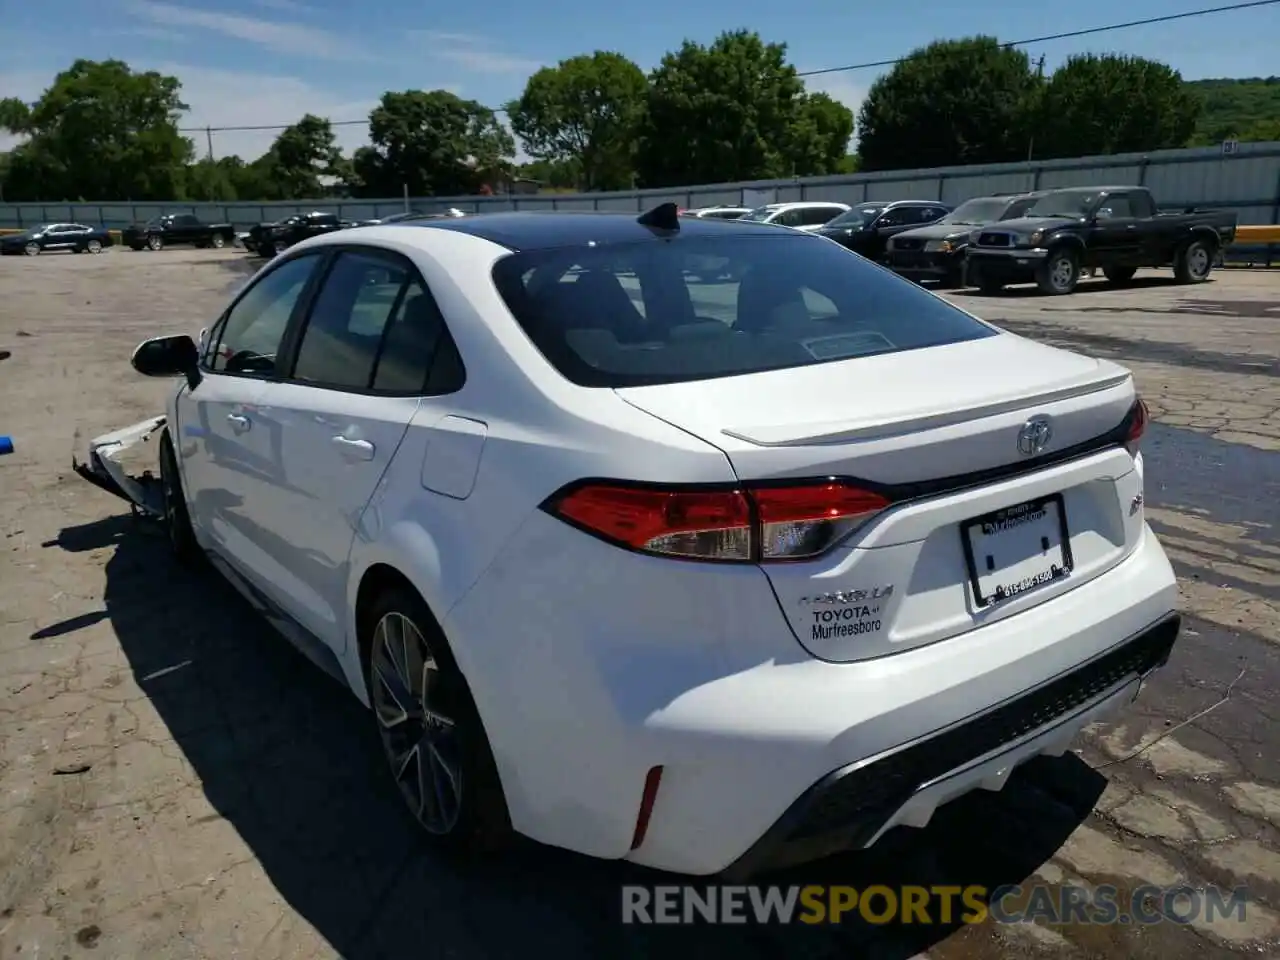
(1246, 180)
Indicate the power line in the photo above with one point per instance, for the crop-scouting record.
(1168, 18)
(1070, 34)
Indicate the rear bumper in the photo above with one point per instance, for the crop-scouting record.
(646, 663)
(854, 806)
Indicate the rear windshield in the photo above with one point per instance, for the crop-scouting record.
(693, 309)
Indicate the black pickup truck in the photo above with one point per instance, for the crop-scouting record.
(268, 239)
(175, 229)
(1113, 229)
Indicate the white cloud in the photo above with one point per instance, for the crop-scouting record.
(288, 6)
(222, 98)
(288, 38)
(473, 53)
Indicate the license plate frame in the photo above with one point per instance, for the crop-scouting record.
(1054, 574)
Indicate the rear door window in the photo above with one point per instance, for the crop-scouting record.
(692, 309)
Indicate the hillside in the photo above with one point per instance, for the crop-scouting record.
(1244, 109)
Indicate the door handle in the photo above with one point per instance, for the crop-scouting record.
(239, 423)
(354, 449)
(1132, 226)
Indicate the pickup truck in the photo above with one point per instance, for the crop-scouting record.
(1113, 229)
(268, 239)
(177, 228)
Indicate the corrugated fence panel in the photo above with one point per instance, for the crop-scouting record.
(1089, 177)
(920, 188)
(1248, 181)
(957, 189)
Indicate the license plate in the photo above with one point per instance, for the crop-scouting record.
(1017, 549)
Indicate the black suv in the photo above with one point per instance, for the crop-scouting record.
(867, 227)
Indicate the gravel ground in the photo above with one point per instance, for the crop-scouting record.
(176, 782)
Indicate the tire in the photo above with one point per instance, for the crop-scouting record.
(267, 250)
(217, 241)
(177, 521)
(32, 249)
(155, 242)
(94, 246)
(1120, 274)
(1194, 262)
(441, 722)
(1059, 273)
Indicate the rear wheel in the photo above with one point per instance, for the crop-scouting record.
(1059, 273)
(217, 241)
(177, 521)
(1120, 274)
(431, 732)
(94, 246)
(1194, 262)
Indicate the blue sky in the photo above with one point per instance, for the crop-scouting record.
(256, 62)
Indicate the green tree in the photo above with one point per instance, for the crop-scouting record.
(952, 102)
(301, 155)
(820, 136)
(723, 112)
(434, 142)
(100, 132)
(585, 110)
(1114, 104)
(556, 175)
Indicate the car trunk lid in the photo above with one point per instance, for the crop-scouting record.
(947, 435)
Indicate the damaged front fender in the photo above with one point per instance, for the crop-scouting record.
(103, 466)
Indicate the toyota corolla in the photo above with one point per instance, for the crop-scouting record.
(709, 576)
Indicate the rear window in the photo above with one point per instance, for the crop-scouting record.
(693, 309)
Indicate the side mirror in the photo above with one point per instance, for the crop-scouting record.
(168, 357)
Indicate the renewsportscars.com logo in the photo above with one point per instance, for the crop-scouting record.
(1101, 905)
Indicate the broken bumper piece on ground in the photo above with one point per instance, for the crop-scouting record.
(103, 467)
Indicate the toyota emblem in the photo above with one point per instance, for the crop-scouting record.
(1034, 436)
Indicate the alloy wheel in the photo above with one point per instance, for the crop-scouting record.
(1198, 260)
(420, 740)
(31, 249)
(94, 246)
(1063, 272)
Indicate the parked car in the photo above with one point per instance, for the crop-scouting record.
(716, 213)
(867, 227)
(1113, 229)
(697, 594)
(801, 215)
(73, 237)
(177, 229)
(268, 239)
(937, 251)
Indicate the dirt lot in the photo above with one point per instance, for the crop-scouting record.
(175, 782)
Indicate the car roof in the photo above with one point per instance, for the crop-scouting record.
(544, 230)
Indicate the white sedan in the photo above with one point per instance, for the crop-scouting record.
(709, 577)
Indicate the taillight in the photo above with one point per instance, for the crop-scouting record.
(747, 524)
(1137, 425)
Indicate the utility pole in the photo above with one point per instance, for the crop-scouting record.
(1035, 113)
(208, 136)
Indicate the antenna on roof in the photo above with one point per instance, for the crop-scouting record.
(665, 216)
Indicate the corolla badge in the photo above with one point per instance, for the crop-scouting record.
(1034, 436)
(841, 597)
